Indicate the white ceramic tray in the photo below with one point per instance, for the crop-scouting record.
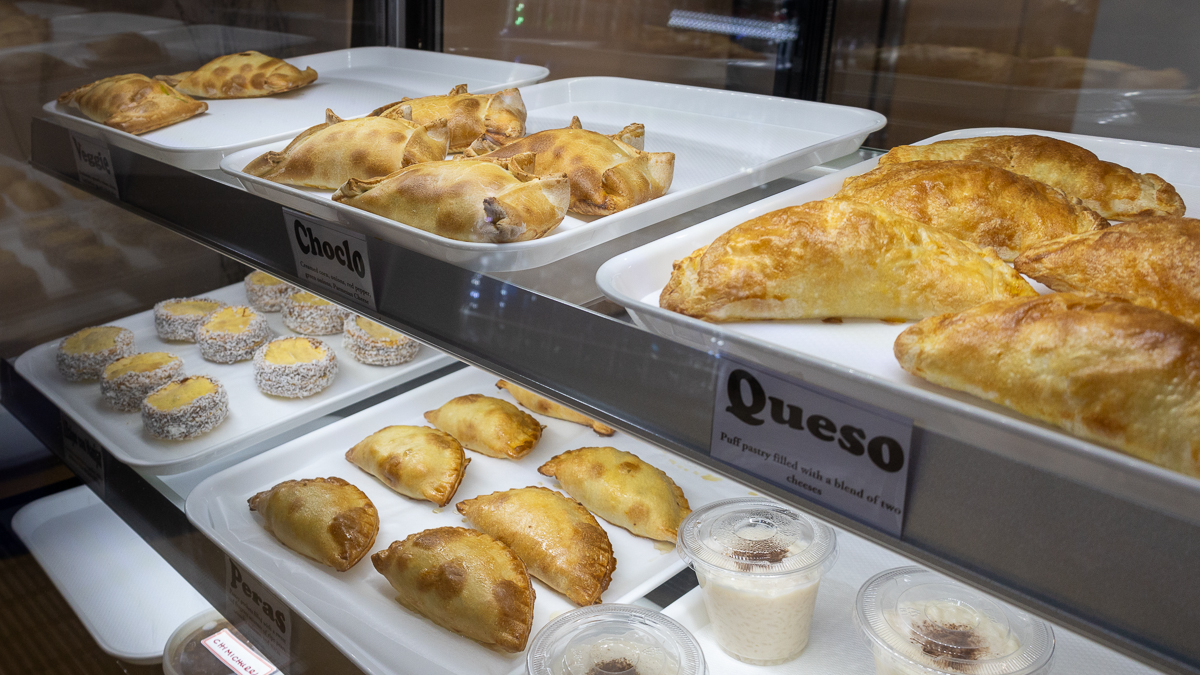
(253, 416)
(356, 610)
(352, 82)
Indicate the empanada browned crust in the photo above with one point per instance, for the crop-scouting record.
(243, 75)
(608, 173)
(481, 122)
(1100, 367)
(31, 196)
(464, 581)
(467, 200)
(327, 155)
(1109, 189)
(549, 408)
(487, 425)
(132, 103)
(325, 519)
(1154, 262)
(836, 258)
(974, 201)
(557, 539)
(417, 462)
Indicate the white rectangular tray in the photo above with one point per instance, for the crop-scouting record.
(352, 82)
(356, 610)
(724, 142)
(253, 416)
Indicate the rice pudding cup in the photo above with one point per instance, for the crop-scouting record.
(614, 639)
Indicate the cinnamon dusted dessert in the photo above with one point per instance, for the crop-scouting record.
(186, 408)
(375, 344)
(266, 293)
(305, 313)
(232, 334)
(294, 367)
(84, 354)
(127, 381)
(178, 318)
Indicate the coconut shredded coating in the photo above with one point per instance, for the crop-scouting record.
(295, 379)
(265, 293)
(308, 314)
(221, 343)
(125, 391)
(84, 364)
(195, 418)
(391, 349)
(172, 325)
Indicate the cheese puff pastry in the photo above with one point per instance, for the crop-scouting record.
(243, 75)
(417, 462)
(326, 519)
(134, 104)
(549, 408)
(479, 122)
(623, 489)
(557, 539)
(1099, 367)
(464, 581)
(487, 425)
(835, 258)
(1109, 189)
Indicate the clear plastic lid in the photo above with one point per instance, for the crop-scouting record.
(615, 640)
(932, 624)
(184, 653)
(756, 536)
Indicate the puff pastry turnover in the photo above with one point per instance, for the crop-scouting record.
(464, 581)
(488, 425)
(1102, 368)
(1109, 189)
(243, 75)
(326, 519)
(557, 539)
(480, 122)
(836, 258)
(132, 103)
(417, 462)
(549, 408)
(623, 489)
(467, 200)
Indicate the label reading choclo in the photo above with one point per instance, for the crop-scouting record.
(93, 163)
(236, 655)
(83, 455)
(843, 454)
(251, 606)
(330, 256)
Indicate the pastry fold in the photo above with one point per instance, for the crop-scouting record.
(132, 103)
(248, 74)
(549, 408)
(487, 425)
(479, 122)
(325, 519)
(557, 539)
(417, 462)
(836, 258)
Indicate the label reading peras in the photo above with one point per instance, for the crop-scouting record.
(330, 256)
(93, 163)
(249, 602)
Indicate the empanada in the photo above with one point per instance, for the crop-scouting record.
(974, 201)
(464, 581)
(417, 462)
(608, 173)
(329, 154)
(23, 29)
(326, 519)
(549, 408)
(481, 122)
(623, 489)
(134, 104)
(835, 258)
(467, 200)
(557, 539)
(1109, 189)
(488, 425)
(31, 196)
(1154, 262)
(243, 75)
(1100, 367)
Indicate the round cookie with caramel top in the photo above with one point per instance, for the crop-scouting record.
(294, 367)
(308, 314)
(232, 334)
(83, 354)
(266, 293)
(186, 408)
(375, 344)
(178, 318)
(127, 380)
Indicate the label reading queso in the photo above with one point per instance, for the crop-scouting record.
(330, 256)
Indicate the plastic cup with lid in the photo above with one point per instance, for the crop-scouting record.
(759, 565)
(919, 622)
(615, 640)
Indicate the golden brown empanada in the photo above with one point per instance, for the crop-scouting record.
(326, 519)
(1109, 189)
(464, 581)
(124, 49)
(132, 103)
(481, 122)
(417, 462)
(329, 154)
(836, 258)
(974, 201)
(23, 29)
(1100, 367)
(608, 173)
(623, 489)
(467, 200)
(488, 425)
(557, 539)
(30, 195)
(243, 75)
(551, 409)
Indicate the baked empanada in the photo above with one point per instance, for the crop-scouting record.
(549, 408)
(481, 122)
(557, 539)
(608, 173)
(1100, 367)
(329, 154)
(467, 200)
(325, 519)
(836, 258)
(464, 581)
(623, 489)
(124, 49)
(417, 462)
(243, 75)
(23, 29)
(487, 425)
(134, 104)
(31, 196)
(1109, 189)
(974, 201)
